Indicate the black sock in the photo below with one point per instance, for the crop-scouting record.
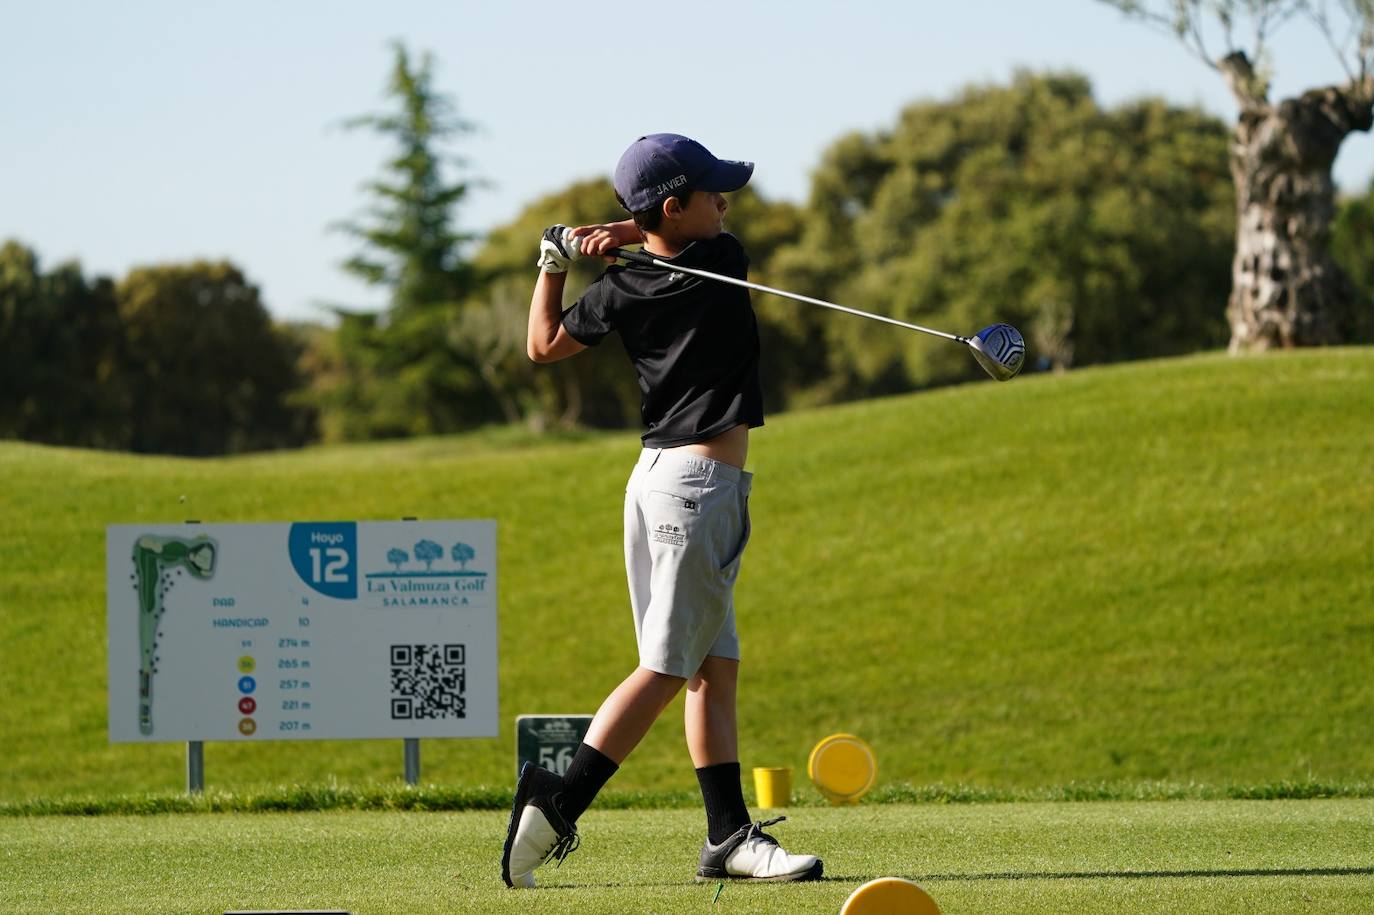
(589, 770)
(725, 810)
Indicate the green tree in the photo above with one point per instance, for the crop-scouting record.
(1104, 235)
(595, 389)
(1352, 245)
(207, 371)
(410, 246)
(60, 354)
(408, 371)
(22, 324)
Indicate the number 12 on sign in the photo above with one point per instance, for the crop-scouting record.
(329, 565)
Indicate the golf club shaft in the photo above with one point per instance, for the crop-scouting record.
(648, 260)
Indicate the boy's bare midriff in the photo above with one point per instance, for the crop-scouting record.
(730, 447)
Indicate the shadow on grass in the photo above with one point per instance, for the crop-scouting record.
(1151, 875)
(1007, 875)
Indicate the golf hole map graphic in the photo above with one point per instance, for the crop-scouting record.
(301, 631)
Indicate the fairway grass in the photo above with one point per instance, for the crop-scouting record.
(1154, 573)
(1253, 857)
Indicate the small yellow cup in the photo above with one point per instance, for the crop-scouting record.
(773, 786)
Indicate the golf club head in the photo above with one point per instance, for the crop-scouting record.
(1000, 350)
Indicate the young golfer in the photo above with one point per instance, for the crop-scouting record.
(695, 348)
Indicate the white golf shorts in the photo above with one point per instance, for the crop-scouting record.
(686, 526)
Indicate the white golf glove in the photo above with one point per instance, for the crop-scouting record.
(557, 249)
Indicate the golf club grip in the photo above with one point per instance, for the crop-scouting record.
(634, 257)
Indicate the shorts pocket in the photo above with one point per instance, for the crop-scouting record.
(675, 502)
(673, 519)
(736, 549)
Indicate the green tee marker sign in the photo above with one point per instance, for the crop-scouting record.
(548, 740)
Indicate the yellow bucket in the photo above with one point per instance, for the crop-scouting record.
(773, 786)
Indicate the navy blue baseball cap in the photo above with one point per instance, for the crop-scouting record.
(661, 165)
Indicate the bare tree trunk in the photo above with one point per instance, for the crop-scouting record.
(573, 411)
(1286, 290)
(496, 384)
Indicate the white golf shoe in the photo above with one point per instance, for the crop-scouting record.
(536, 831)
(752, 854)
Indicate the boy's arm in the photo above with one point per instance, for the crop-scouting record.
(548, 341)
(600, 239)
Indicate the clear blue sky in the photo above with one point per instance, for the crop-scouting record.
(146, 132)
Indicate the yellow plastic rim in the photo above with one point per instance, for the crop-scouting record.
(842, 767)
(889, 896)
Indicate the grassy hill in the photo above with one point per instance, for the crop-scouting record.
(1160, 571)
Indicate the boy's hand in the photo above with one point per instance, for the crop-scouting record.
(600, 239)
(557, 249)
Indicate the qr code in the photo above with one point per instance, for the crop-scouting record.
(428, 681)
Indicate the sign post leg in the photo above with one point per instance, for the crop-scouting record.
(195, 767)
(412, 754)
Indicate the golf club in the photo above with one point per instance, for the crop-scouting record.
(999, 348)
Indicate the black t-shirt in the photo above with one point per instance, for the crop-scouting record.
(694, 342)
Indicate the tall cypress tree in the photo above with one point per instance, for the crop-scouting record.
(406, 371)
